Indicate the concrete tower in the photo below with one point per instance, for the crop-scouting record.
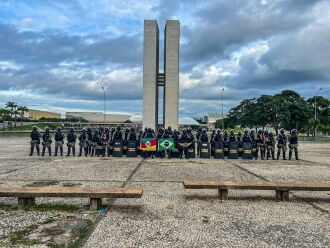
(152, 78)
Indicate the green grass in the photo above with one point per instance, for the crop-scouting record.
(19, 237)
(83, 235)
(40, 125)
(56, 207)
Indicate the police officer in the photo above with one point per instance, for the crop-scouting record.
(89, 135)
(293, 144)
(203, 137)
(191, 138)
(226, 143)
(246, 136)
(59, 140)
(270, 143)
(260, 144)
(132, 134)
(212, 142)
(95, 141)
(254, 145)
(281, 144)
(71, 142)
(159, 135)
(184, 138)
(83, 142)
(239, 143)
(105, 139)
(199, 132)
(218, 136)
(46, 142)
(232, 138)
(118, 134)
(35, 140)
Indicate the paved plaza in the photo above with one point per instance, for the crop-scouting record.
(167, 215)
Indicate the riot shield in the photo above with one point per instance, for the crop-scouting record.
(233, 151)
(247, 150)
(226, 148)
(125, 142)
(205, 150)
(240, 149)
(117, 148)
(131, 149)
(218, 150)
(191, 151)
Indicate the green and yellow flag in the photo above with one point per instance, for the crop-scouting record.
(165, 144)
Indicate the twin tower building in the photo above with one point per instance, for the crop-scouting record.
(153, 78)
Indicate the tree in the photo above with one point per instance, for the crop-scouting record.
(4, 115)
(12, 107)
(21, 111)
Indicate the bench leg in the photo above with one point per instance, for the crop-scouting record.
(223, 194)
(282, 195)
(25, 202)
(285, 195)
(95, 204)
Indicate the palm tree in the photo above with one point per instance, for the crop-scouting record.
(12, 106)
(4, 115)
(21, 111)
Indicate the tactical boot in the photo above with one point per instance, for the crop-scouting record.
(31, 152)
(43, 151)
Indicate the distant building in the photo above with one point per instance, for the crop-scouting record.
(97, 117)
(35, 114)
(213, 117)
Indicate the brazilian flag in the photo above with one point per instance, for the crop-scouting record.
(165, 144)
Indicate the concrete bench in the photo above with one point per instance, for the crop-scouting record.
(26, 195)
(281, 188)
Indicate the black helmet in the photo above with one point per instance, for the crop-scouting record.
(282, 131)
(46, 129)
(71, 129)
(169, 128)
(118, 128)
(239, 133)
(218, 131)
(270, 134)
(200, 129)
(58, 129)
(259, 131)
(246, 132)
(113, 129)
(89, 129)
(266, 132)
(231, 131)
(132, 129)
(184, 130)
(84, 130)
(203, 130)
(189, 129)
(127, 129)
(101, 129)
(252, 131)
(293, 131)
(160, 129)
(106, 130)
(149, 130)
(145, 129)
(226, 132)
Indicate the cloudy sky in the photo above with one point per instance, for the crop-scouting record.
(56, 54)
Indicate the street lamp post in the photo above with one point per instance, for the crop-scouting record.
(103, 103)
(222, 90)
(315, 115)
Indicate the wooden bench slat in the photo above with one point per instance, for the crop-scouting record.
(216, 184)
(78, 192)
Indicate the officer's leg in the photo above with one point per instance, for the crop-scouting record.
(38, 149)
(74, 150)
(61, 149)
(268, 152)
(49, 150)
(284, 150)
(262, 152)
(296, 152)
(278, 152)
(273, 152)
(43, 150)
(69, 148)
(290, 152)
(257, 151)
(186, 153)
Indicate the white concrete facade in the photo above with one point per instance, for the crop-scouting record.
(171, 69)
(150, 72)
(152, 78)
